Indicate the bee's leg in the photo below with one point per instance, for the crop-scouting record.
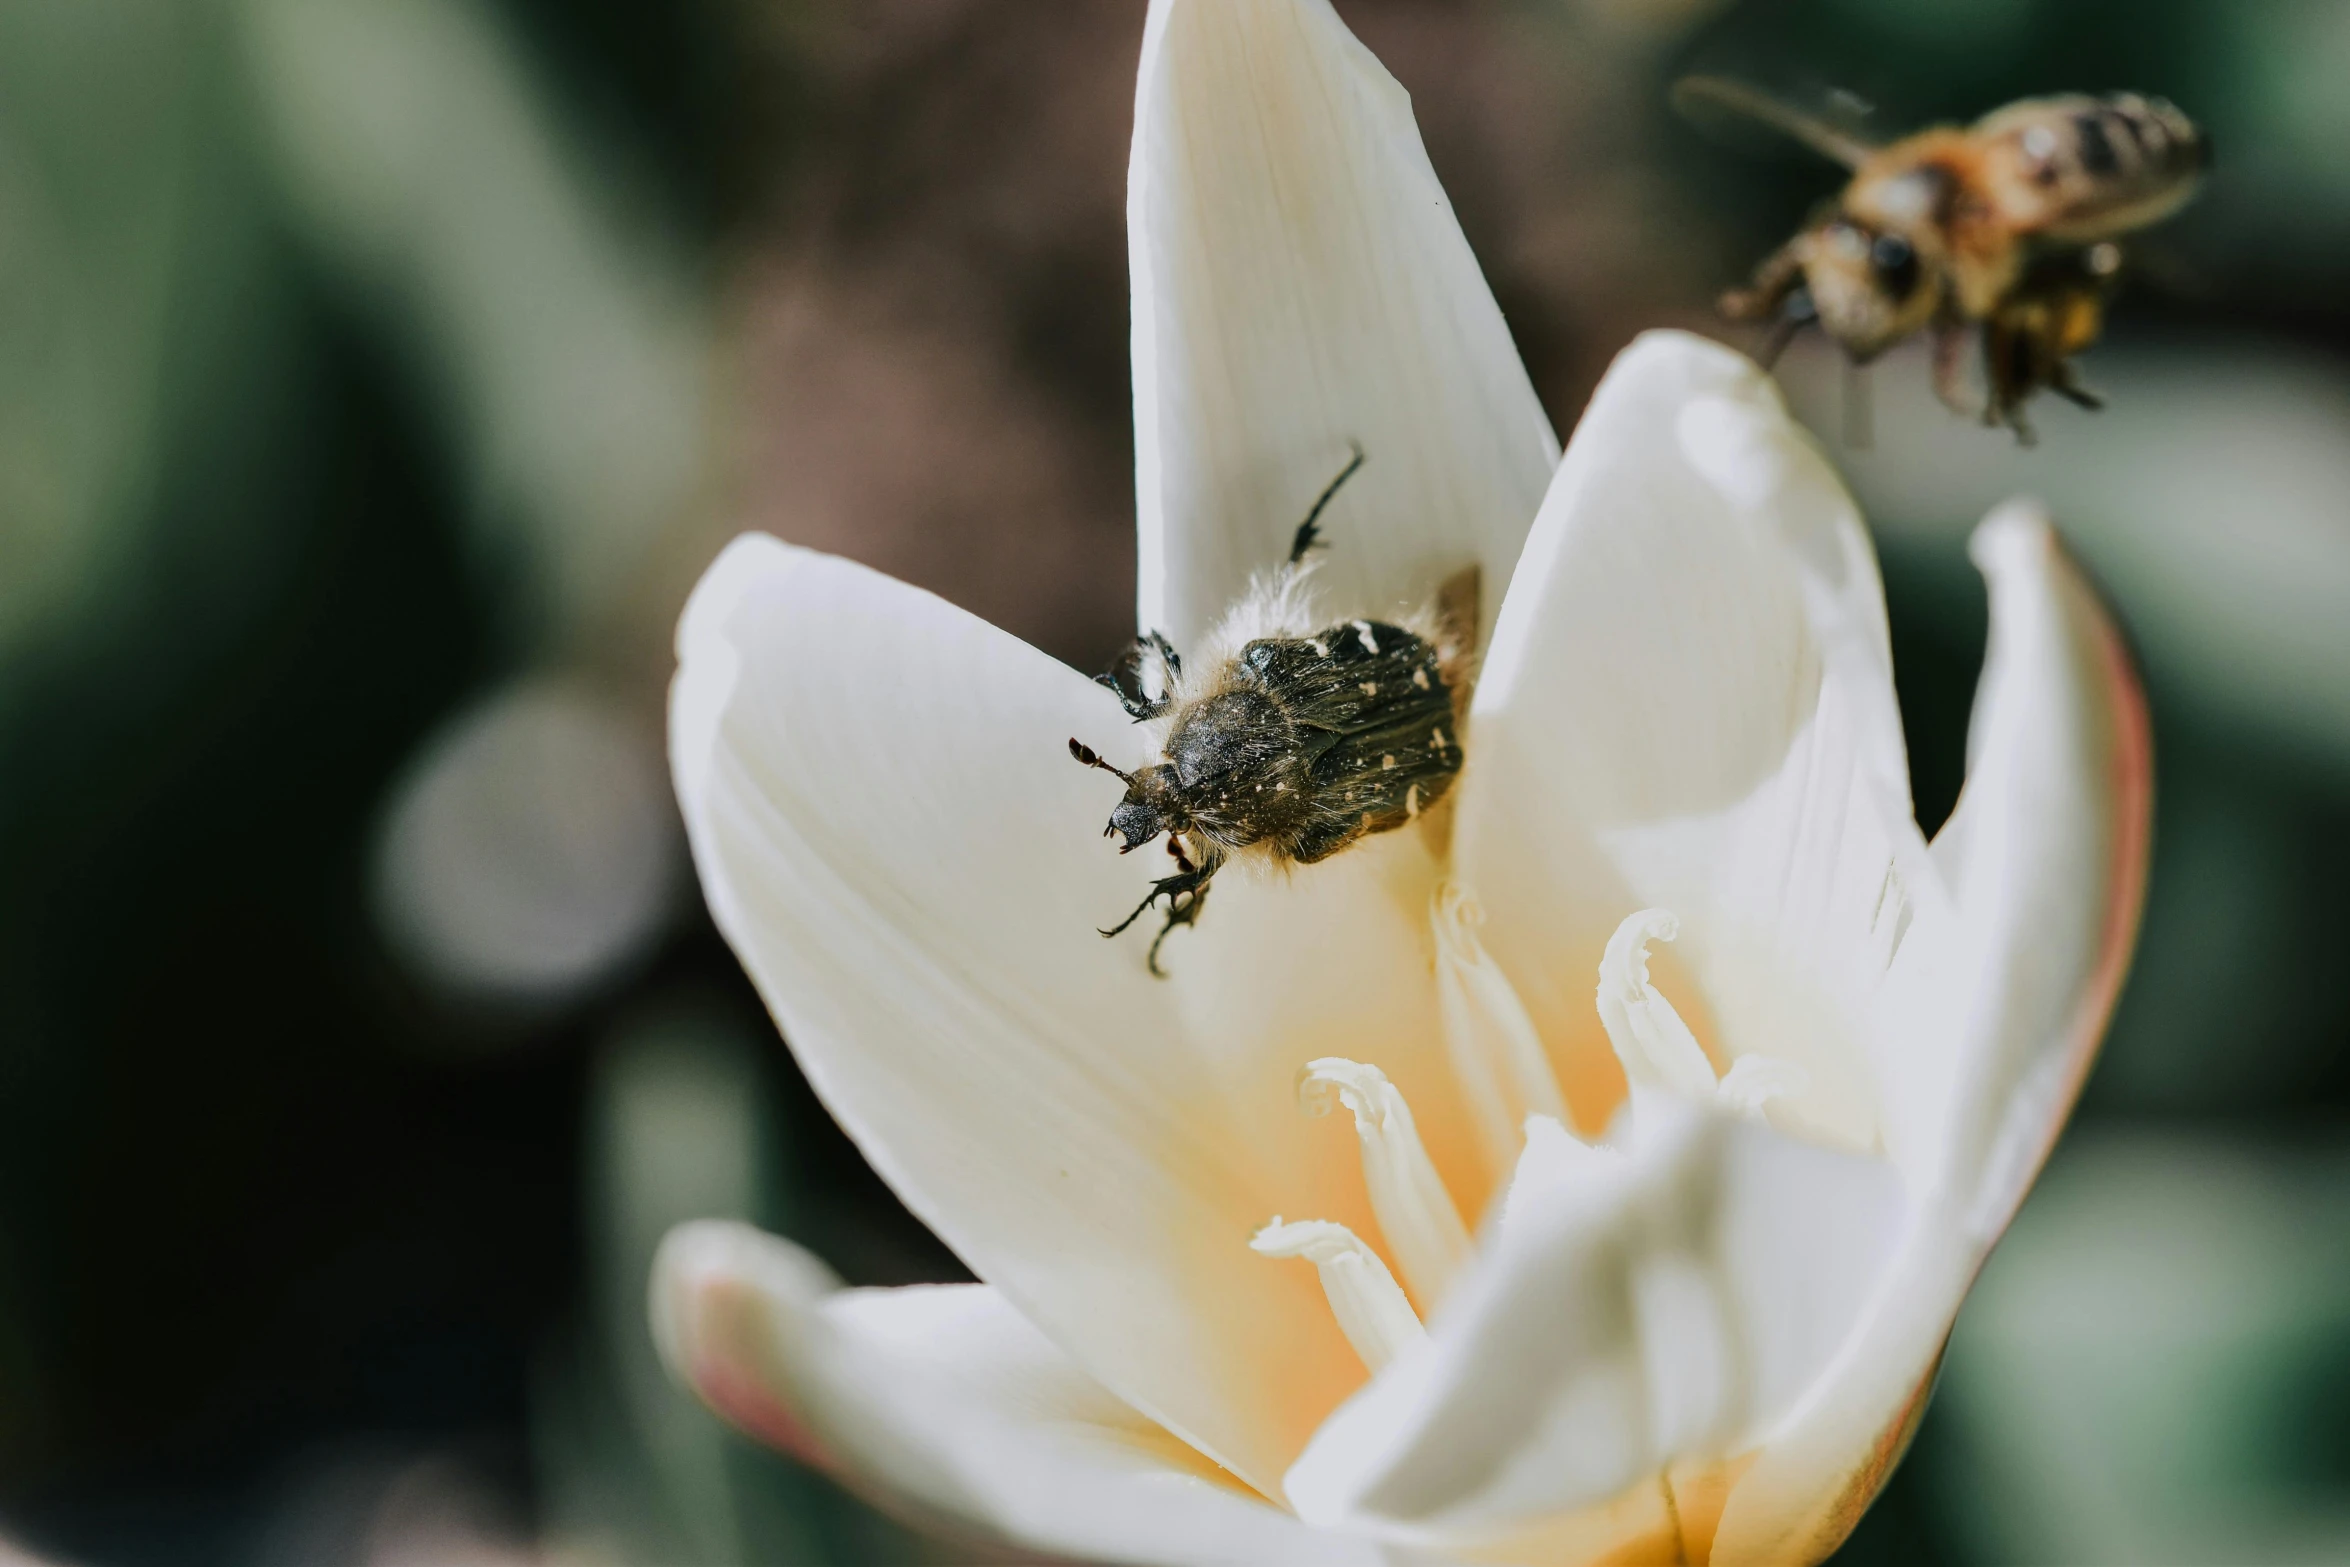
(1775, 282)
(2066, 383)
(2009, 374)
(2013, 417)
(1859, 407)
(1792, 320)
(1307, 534)
(1950, 339)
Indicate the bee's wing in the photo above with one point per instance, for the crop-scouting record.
(1699, 98)
(2078, 169)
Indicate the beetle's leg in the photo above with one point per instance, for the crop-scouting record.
(1168, 887)
(1184, 891)
(1307, 534)
(1167, 655)
(1125, 678)
(1179, 912)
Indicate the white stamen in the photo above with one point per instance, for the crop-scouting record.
(1415, 1212)
(1493, 1044)
(1387, 764)
(1370, 688)
(1657, 1048)
(1420, 678)
(1411, 803)
(1321, 649)
(1370, 1308)
(1363, 633)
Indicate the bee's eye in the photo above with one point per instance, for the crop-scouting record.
(1895, 262)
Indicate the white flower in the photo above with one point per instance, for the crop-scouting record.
(1703, 1336)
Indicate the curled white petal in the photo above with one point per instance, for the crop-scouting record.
(1503, 1070)
(1370, 1306)
(1416, 1214)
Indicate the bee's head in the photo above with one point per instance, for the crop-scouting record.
(1148, 810)
(1871, 288)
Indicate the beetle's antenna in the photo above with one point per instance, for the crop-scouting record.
(1307, 535)
(1092, 758)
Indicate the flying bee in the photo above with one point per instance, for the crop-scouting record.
(1285, 741)
(2005, 229)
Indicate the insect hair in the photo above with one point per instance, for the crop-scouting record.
(1285, 738)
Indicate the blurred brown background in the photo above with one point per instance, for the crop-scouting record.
(377, 375)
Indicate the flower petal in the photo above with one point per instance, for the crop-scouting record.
(1634, 1310)
(1689, 705)
(945, 1402)
(2045, 855)
(1300, 283)
(1987, 1039)
(892, 836)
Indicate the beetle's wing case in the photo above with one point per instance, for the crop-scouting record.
(1374, 716)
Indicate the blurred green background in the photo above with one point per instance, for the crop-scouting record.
(377, 375)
